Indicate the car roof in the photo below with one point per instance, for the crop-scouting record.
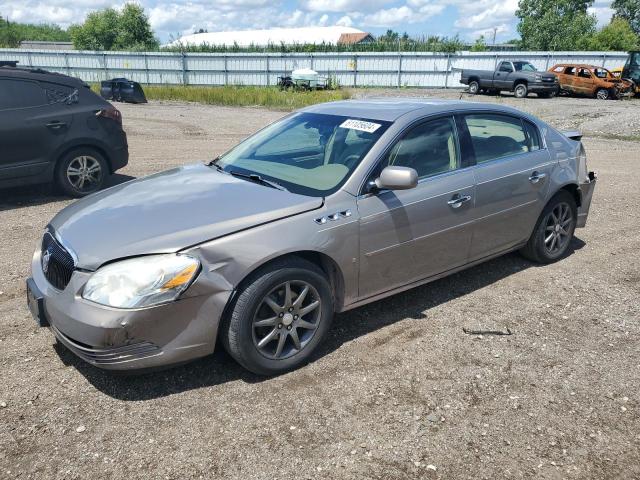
(39, 74)
(390, 109)
(578, 65)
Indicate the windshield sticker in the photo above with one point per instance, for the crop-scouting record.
(361, 125)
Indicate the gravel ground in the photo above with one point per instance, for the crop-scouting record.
(397, 392)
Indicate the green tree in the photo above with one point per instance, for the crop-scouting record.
(109, 29)
(555, 24)
(480, 45)
(630, 11)
(618, 35)
(389, 37)
(134, 31)
(11, 33)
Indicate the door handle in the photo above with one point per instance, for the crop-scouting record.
(536, 177)
(56, 125)
(457, 200)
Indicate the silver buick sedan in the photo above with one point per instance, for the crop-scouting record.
(327, 209)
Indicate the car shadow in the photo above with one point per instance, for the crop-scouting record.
(33, 195)
(220, 368)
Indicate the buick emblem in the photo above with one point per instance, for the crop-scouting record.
(45, 261)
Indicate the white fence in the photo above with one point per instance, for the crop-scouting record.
(378, 69)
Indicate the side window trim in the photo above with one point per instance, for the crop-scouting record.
(535, 129)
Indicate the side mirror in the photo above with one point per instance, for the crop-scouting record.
(397, 178)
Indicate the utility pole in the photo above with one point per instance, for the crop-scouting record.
(495, 30)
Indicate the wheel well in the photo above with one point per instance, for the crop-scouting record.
(574, 190)
(325, 263)
(520, 81)
(94, 147)
(474, 79)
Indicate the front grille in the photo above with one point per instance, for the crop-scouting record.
(57, 263)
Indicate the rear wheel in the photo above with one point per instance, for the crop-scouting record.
(81, 171)
(279, 317)
(553, 231)
(474, 87)
(521, 90)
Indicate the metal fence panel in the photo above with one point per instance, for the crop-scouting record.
(361, 69)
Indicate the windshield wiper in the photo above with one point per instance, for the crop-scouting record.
(254, 177)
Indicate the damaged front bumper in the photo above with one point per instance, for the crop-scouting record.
(586, 194)
(128, 339)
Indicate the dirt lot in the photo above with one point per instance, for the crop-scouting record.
(398, 391)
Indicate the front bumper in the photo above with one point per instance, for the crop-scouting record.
(118, 339)
(544, 87)
(586, 193)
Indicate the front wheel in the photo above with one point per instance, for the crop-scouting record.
(553, 231)
(603, 94)
(279, 317)
(549, 94)
(521, 90)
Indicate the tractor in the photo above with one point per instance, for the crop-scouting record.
(631, 70)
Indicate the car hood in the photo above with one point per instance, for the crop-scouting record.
(169, 211)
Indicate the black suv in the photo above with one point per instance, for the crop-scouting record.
(54, 128)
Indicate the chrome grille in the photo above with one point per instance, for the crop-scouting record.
(57, 263)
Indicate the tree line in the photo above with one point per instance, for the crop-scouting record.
(543, 25)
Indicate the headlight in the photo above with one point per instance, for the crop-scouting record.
(141, 282)
(538, 78)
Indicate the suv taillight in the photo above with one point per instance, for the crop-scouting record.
(112, 113)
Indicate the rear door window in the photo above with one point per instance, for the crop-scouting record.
(20, 94)
(55, 92)
(496, 136)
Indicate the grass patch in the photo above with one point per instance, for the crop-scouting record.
(270, 97)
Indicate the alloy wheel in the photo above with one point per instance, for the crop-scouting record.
(84, 173)
(602, 94)
(558, 227)
(286, 319)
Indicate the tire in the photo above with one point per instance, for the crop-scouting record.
(93, 172)
(521, 90)
(263, 300)
(550, 94)
(474, 87)
(538, 248)
(603, 94)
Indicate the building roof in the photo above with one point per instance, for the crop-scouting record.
(353, 38)
(275, 36)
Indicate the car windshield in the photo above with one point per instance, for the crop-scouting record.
(524, 67)
(307, 153)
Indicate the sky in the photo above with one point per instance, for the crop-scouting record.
(172, 18)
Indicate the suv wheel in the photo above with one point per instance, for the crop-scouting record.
(474, 87)
(554, 230)
(603, 94)
(521, 90)
(279, 317)
(81, 171)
